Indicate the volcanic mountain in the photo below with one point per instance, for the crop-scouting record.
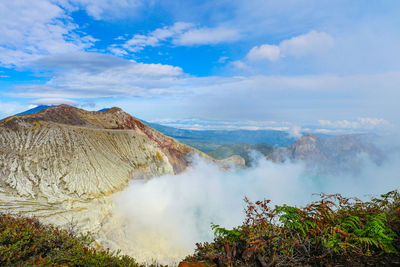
(63, 163)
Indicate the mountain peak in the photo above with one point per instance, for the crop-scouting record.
(310, 137)
(113, 110)
(113, 118)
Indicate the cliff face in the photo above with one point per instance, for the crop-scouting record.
(65, 163)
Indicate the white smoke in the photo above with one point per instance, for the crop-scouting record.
(165, 217)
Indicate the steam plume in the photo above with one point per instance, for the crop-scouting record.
(164, 217)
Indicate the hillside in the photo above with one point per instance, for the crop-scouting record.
(64, 164)
(65, 144)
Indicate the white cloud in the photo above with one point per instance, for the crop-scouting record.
(10, 108)
(216, 85)
(360, 123)
(223, 59)
(53, 101)
(238, 64)
(295, 131)
(310, 43)
(154, 38)
(176, 94)
(82, 61)
(177, 28)
(30, 31)
(138, 42)
(180, 33)
(118, 51)
(201, 124)
(102, 9)
(265, 51)
(90, 75)
(204, 36)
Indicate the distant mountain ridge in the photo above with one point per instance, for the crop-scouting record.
(34, 110)
(199, 138)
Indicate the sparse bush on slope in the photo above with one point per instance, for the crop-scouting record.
(332, 231)
(26, 242)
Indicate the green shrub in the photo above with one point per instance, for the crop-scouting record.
(25, 241)
(333, 230)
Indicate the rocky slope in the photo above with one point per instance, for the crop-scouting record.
(333, 154)
(64, 164)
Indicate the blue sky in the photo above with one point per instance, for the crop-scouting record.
(254, 64)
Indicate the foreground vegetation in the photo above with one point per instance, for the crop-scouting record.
(26, 242)
(332, 231)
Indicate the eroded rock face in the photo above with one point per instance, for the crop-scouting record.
(64, 163)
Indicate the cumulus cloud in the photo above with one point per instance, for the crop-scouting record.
(29, 32)
(310, 43)
(164, 217)
(265, 51)
(91, 75)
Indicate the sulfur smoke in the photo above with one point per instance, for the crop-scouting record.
(164, 217)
